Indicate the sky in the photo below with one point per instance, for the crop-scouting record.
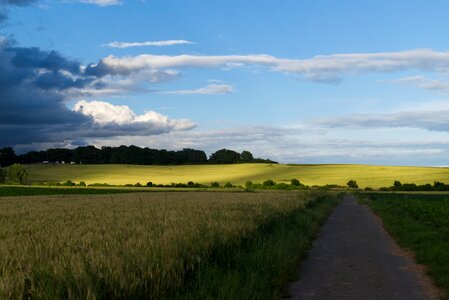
(308, 81)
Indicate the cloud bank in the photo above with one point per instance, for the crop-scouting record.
(424, 83)
(101, 2)
(431, 119)
(324, 68)
(211, 89)
(303, 144)
(123, 45)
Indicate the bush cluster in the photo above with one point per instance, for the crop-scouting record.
(295, 184)
(412, 187)
(15, 174)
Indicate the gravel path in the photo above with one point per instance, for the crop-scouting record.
(354, 258)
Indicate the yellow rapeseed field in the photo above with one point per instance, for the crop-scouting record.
(365, 175)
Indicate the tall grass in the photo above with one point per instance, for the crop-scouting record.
(419, 222)
(149, 245)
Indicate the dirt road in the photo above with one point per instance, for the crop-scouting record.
(354, 258)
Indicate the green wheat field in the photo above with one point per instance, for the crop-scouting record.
(196, 245)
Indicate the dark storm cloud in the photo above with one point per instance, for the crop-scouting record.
(35, 86)
(17, 2)
(4, 4)
(35, 58)
(32, 107)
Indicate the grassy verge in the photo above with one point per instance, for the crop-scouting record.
(419, 223)
(261, 266)
(156, 245)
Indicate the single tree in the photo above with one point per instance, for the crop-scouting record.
(352, 184)
(295, 182)
(269, 182)
(397, 185)
(17, 174)
(214, 184)
(7, 156)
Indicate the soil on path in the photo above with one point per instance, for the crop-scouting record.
(354, 258)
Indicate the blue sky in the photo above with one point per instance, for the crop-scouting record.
(295, 81)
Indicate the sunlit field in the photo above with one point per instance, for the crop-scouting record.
(155, 245)
(365, 175)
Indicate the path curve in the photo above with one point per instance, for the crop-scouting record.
(354, 258)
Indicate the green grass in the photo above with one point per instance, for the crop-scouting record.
(419, 223)
(9, 191)
(365, 175)
(156, 245)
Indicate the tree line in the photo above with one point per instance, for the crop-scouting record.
(127, 155)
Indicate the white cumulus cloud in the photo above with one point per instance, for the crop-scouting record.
(124, 121)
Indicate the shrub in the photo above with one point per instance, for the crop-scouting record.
(149, 184)
(69, 183)
(101, 184)
(82, 183)
(368, 188)
(256, 186)
(17, 174)
(409, 187)
(179, 185)
(191, 184)
(281, 186)
(228, 185)
(352, 184)
(269, 183)
(214, 184)
(295, 182)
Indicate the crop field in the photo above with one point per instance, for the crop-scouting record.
(419, 222)
(34, 191)
(195, 245)
(365, 175)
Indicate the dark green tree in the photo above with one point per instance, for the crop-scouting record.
(352, 184)
(295, 182)
(7, 157)
(397, 185)
(214, 184)
(228, 185)
(246, 156)
(2, 175)
(269, 182)
(224, 156)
